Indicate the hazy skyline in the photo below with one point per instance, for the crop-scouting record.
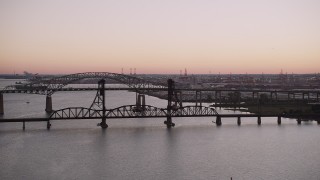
(252, 36)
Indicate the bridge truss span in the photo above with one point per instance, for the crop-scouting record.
(133, 82)
(76, 113)
(49, 86)
(193, 111)
(133, 111)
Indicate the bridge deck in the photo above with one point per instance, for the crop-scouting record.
(317, 116)
(160, 89)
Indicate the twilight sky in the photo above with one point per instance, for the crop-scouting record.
(165, 36)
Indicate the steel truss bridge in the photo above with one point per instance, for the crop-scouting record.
(132, 111)
(50, 86)
(98, 110)
(153, 87)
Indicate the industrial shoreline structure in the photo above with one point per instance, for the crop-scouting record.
(140, 109)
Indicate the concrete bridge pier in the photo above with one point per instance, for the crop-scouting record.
(49, 104)
(169, 122)
(1, 104)
(48, 125)
(218, 99)
(279, 120)
(141, 101)
(239, 121)
(299, 121)
(198, 100)
(103, 123)
(259, 120)
(218, 121)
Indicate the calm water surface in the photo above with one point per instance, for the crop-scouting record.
(145, 149)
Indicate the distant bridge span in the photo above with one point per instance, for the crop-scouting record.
(48, 87)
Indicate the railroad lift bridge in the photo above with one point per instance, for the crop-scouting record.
(98, 110)
(140, 109)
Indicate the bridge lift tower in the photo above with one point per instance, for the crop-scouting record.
(101, 91)
(169, 122)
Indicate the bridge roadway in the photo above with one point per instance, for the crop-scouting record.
(218, 122)
(164, 89)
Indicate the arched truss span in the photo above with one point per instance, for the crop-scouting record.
(76, 113)
(48, 87)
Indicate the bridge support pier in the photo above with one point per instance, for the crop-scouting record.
(218, 121)
(141, 101)
(169, 122)
(1, 104)
(239, 121)
(299, 121)
(49, 104)
(103, 123)
(48, 125)
(259, 120)
(23, 125)
(279, 120)
(200, 98)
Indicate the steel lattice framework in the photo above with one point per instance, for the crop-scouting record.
(76, 113)
(131, 111)
(193, 111)
(48, 87)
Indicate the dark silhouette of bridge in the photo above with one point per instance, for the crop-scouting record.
(50, 86)
(98, 110)
(220, 95)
